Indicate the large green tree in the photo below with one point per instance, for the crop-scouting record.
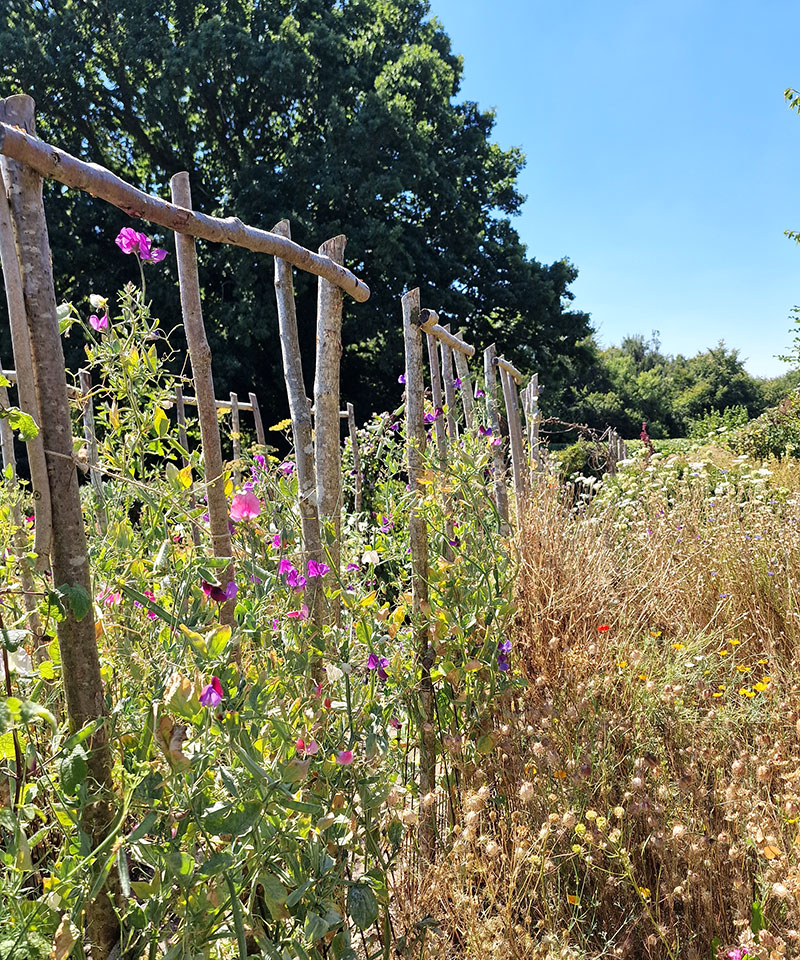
(342, 115)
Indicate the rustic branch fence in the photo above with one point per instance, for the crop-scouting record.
(43, 393)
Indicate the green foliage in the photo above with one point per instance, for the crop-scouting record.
(775, 433)
(343, 117)
(715, 423)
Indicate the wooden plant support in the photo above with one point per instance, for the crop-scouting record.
(200, 356)
(236, 439)
(327, 427)
(351, 426)
(509, 378)
(87, 412)
(418, 533)
(260, 438)
(462, 369)
(83, 684)
(21, 545)
(533, 395)
(493, 410)
(448, 376)
(26, 390)
(302, 435)
(180, 409)
(439, 428)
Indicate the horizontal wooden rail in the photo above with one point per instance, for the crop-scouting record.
(50, 161)
(509, 368)
(221, 404)
(11, 376)
(429, 322)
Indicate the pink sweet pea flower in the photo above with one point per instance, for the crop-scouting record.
(317, 569)
(245, 506)
(98, 323)
(295, 580)
(212, 694)
(301, 614)
(139, 244)
(310, 749)
(218, 594)
(276, 541)
(287, 467)
(111, 599)
(147, 253)
(128, 240)
(344, 757)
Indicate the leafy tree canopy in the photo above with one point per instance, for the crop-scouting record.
(341, 115)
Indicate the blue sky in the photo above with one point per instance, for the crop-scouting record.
(662, 158)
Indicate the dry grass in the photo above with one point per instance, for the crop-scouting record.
(643, 791)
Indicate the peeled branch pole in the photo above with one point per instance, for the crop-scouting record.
(200, 356)
(28, 403)
(59, 165)
(515, 436)
(429, 321)
(260, 438)
(21, 545)
(351, 424)
(236, 445)
(80, 662)
(533, 394)
(327, 428)
(439, 427)
(302, 434)
(490, 376)
(415, 441)
(448, 376)
(462, 368)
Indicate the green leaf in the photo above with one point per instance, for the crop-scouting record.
(225, 818)
(12, 640)
(757, 920)
(181, 866)
(216, 863)
(362, 907)
(78, 599)
(73, 770)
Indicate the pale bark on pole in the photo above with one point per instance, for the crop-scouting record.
(490, 376)
(28, 403)
(260, 438)
(236, 439)
(327, 428)
(439, 428)
(351, 425)
(83, 684)
(418, 533)
(21, 545)
(535, 417)
(448, 376)
(515, 437)
(200, 357)
(85, 378)
(302, 434)
(462, 368)
(59, 165)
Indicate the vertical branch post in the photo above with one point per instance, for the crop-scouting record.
(439, 427)
(300, 413)
(462, 368)
(85, 379)
(515, 436)
(83, 684)
(351, 425)
(200, 356)
(260, 438)
(21, 344)
(327, 428)
(448, 376)
(490, 376)
(415, 440)
(236, 439)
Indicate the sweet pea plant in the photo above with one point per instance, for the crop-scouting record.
(266, 781)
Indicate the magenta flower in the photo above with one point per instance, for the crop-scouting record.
(276, 541)
(394, 723)
(738, 953)
(295, 580)
(484, 431)
(317, 569)
(309, 749)
(285, 566)
(111, 598)
(457, 383)
(220, 594)
(139, 244)
(98, 323)
(212, 694)
(287, 468)
(150, 596)
(245, 506)
(344, 757)
(301, 614)
(479, 393)
(378, 663)
(401, 378)
(353, 566)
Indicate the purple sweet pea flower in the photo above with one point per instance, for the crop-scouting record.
(220, 594)
(139, 244)
(401, 378)
(457, 383)
(479, 394)
(212, 694)
(484, 431)
(378, 663)
(316, 569)
(295, 580)
(287, 468)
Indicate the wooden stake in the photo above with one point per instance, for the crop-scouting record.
(260, 438)
(85, 379)
(300, 413)
(515, 436)
(83, 685)
(415, 439)
(462, 367)
(490, 376)
(200, 356)
(236, 439)
(26, 391)
(351, 424)
(439, 428)
(448, 376)
(327, 427)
